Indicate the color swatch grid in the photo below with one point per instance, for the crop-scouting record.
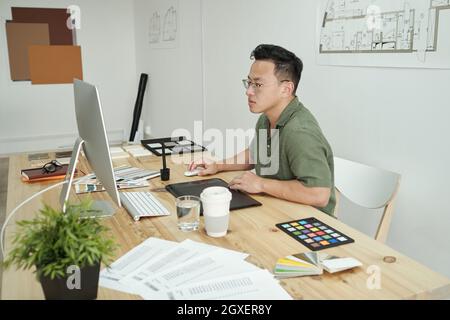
(314, 234)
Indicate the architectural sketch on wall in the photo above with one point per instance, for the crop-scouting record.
(393, 33)
(163, 24)
(155, 28)
(170, 25)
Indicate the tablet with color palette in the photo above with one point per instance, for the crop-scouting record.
(314, 234)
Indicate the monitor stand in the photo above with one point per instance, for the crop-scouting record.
(99, 208)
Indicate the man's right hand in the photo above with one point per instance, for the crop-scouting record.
(204, 168)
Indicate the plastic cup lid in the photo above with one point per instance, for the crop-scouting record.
(216, 194)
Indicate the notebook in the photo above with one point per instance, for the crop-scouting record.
(38, 174)
(312, 263)
(239, 199)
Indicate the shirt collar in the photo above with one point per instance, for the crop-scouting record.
(286, 114)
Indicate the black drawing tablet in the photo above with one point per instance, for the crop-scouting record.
(239, 199)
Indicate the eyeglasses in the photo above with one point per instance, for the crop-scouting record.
(256, 86)
(51, 166)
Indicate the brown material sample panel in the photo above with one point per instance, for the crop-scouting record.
(20, 36)
(56, 19)
(55, 64)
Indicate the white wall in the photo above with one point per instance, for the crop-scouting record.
(174, 96)
(38, 117)
(395, 119)
(390, 118)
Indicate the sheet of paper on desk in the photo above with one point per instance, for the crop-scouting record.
(133, 147)
(124, 173)
(126, 177)
(256, 285)
(152, 247)
(137, 150)
(94, 187)
(135, 174)
(337, 264)
(140, 152)
(115, 150)
(118, 153)
(213, 264)
(186, 250)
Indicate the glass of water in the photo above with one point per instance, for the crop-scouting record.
(188, 213)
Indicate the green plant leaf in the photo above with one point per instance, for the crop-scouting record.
(53, 241)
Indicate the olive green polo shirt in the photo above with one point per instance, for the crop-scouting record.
(304, 153)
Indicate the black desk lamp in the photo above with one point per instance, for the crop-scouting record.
(165, 172)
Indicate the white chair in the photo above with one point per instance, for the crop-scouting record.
(368, 187)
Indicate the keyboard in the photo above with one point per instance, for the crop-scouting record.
(142, 204)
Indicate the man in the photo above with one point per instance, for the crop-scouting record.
(304, 161)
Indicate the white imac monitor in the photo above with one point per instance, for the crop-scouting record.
(92, 138)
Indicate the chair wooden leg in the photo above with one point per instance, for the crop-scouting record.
(338, 199)
(385, 223)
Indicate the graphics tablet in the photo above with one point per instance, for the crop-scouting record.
(239, 200)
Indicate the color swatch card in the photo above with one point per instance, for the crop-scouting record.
(312, 263)
(314, 234)
(301, 264)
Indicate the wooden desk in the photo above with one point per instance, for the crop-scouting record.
(251, 230)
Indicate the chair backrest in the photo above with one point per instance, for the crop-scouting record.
(368, 187)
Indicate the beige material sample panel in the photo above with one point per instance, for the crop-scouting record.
(20, 37)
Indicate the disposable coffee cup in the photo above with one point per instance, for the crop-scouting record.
(216, 210)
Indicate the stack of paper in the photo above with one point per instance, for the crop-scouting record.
(132, 174)
(160, 269)
(312, 263)
(118, 153)
(126, 177)
(137, 150)
(63, 157)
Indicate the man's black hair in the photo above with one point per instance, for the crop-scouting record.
(287, 65)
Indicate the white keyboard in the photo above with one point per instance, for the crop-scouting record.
(142, 204)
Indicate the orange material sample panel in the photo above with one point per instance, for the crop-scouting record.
(55, 64)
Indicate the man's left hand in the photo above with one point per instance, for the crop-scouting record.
(248, 182)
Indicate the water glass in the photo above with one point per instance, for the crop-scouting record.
(188, 213)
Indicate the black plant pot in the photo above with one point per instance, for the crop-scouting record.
(58, 289)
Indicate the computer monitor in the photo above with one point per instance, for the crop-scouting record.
(92, 138)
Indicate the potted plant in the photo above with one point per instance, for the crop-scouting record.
(66, 250)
